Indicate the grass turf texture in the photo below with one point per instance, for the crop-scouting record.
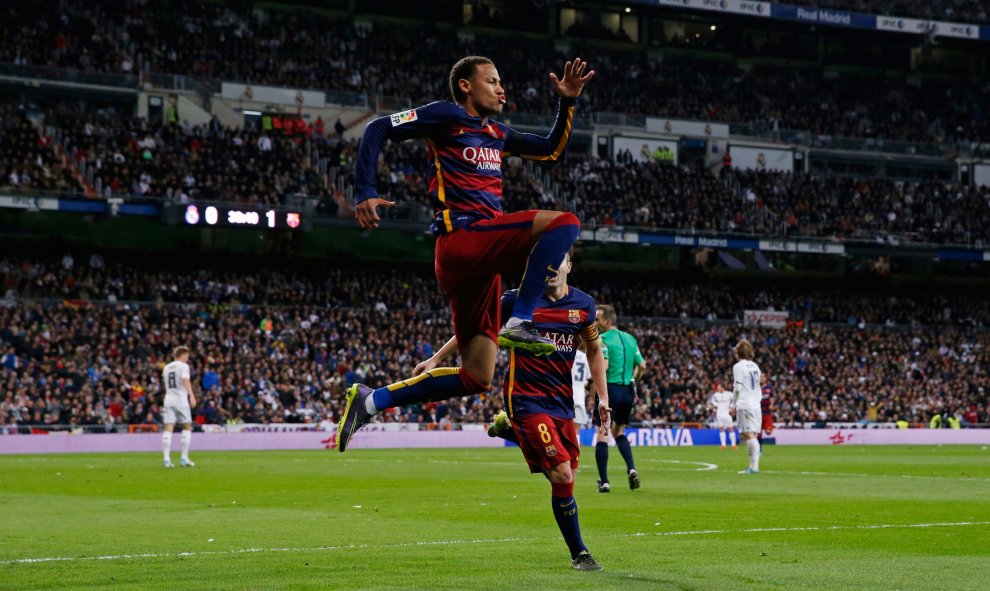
(475, 519)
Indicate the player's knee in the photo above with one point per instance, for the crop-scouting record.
(474, 384)
(561, 474)
(564, 219)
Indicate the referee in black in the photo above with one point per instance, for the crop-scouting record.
(625, 366)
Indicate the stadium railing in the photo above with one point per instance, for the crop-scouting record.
(69, 75)
(764, 132)
(182, 82)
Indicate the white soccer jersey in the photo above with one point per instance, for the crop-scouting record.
(746, 385)
(580, 374)
(175, 390)
(721, 401)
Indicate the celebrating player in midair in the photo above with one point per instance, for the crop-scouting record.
(476, 242)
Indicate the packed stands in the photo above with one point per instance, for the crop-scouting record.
(84, 341)
(304, 50)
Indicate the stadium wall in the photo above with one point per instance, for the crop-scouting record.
(667, 437)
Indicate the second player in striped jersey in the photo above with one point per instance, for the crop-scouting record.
(540, 399)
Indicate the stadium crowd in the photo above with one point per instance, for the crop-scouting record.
(258, 166)
(72, 361)
(655, 194)
(29, 160)
(306, 50)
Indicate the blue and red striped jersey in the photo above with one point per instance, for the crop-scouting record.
(541, 384)
(766, 403)
(465, 154)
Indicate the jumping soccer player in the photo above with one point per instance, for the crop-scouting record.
(540, 400)
(747, 396)
(476, 242)
(721, 401)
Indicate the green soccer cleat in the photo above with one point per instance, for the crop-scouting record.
(356, 414)
(499, 425)
(525, 337)
(584, 561)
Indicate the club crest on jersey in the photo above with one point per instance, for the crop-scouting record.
(403, 117)
(574, 316)
(551, 451)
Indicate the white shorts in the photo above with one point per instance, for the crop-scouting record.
(723, 421)
(176, 413)
(750, 421)
(581, 416)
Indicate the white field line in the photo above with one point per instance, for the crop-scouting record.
(705, 466)
(704, 532)
(810, 473)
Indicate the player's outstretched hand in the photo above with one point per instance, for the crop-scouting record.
(574, 79)
(424, 366)
(605, 413)
(366, 212)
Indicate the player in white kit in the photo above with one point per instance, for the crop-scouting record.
(747, 395)
(580, 374)
(721, 401)
(177, 408)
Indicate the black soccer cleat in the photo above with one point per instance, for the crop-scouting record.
(356, 414)
(526, 337)
(584, 561)
(604, 487)
(633, 479)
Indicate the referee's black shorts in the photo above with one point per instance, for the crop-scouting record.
(620, 398)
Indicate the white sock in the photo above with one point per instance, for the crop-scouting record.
(732, 438)
(369, 405)
(721, 437)
(513, 322)
(185, 439)
(754, 453)
(166, 445)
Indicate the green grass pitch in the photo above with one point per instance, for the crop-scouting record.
(819, 518)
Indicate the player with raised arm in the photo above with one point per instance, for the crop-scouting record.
(540, 400)
(746, 397)
(177, 407)
(721, 401)
(475, 241)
